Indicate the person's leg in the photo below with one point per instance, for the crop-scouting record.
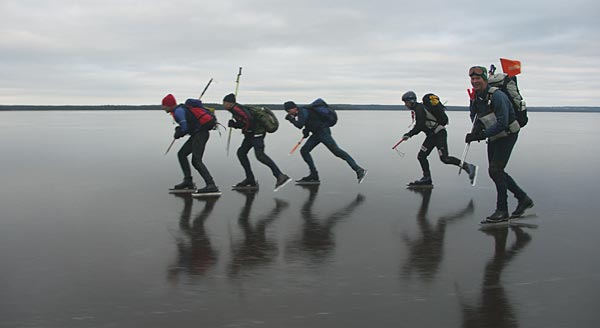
(199, 141)
(499, 152)
(242, 154)
(426, 149)
(309, 145)
(182, 155)
(258, 142)
(329, 142)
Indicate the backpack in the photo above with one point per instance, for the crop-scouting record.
(508, 85)
(205, 117)
(326, 113)
(433, 105)
(264, 119)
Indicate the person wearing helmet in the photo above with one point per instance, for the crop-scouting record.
(495, 120)
(436, 137)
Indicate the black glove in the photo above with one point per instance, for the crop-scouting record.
(231, 124)
(178, 133)
(305, 133)
(290, 117)
(475, 136)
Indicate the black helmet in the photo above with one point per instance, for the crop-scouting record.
(409, 96)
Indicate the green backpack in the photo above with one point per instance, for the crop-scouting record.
(264, 120)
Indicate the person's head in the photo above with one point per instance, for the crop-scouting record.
(479, 78)
(169, 103)
(410, 99)
(291, 108)
(229, 101)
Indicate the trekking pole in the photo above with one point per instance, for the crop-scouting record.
(296, 146)
(237, 85)
(206, 87)
(466, 150)
(398, 143)
(171, 145)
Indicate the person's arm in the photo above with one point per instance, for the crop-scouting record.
(179, 116)
(501, 106)
(300, 120)
(419, 123)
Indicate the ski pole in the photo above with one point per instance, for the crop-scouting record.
(464, 157)
(206, 87)
(398, 143)
(171, 145)
(296, 146)
(467, 146)
(237, 85)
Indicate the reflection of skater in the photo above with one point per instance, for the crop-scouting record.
(494, 309)
(317, 240)
(431, 120)
(319, 128)
(195, 254)
(255, 249)
(426, 252)
(496, 121)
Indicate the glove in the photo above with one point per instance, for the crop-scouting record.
(475, 136)
(305, 133)
(178, 133)
(405, 137)
(231, 124)
(290, 117)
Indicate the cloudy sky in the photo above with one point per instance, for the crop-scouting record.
(346, 51)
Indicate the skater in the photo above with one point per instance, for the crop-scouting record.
(317, 126)
(431, 119)
(242, 119)
(188, 124)
(496, 121)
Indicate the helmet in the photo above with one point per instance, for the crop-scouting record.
(409, 96)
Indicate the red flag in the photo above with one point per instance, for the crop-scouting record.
(510, 67)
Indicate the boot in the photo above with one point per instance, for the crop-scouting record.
(246, 184)
(210, 188)
(423, 182)
(312, 178)
(496, 217)
(282, 180)
(523, 204)
(187, 184)
(472, 173)
(361, 174)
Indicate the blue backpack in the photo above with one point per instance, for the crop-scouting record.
(326, 113)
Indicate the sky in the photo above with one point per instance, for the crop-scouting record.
(133, 52)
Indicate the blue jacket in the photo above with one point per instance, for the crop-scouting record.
(308, 119)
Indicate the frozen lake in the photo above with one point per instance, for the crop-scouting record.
(89, 236)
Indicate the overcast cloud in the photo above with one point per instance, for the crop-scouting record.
(360, 52)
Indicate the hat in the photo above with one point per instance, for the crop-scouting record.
(479, 71)
(169, 100)
(229, 98)
(289, 105)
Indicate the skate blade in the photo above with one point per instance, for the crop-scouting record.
(181, 191)
(307, 183)
(419, 187)
(523, 217)
(363, 178)
(207, 194)
(245, 188)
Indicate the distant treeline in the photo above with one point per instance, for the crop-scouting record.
(274, 107)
